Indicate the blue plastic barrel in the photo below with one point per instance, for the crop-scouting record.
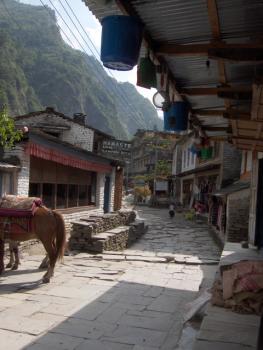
(176, 118)
(121, 42)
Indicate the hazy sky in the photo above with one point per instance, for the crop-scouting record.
(93, 29)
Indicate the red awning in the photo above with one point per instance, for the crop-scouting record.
(58, 157)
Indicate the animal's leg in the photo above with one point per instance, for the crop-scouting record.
(16, 253)
(45, 263)
(2, 251)
(11, 257)
(51, 251)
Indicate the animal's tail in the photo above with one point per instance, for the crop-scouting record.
(60, 236)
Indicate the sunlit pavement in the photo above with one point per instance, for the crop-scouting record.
(129, 300)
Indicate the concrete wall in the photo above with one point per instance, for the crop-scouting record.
(237, 216)
(21, 183)
(100, 191)
(78, 135)
(112, 190)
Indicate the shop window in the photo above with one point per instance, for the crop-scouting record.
(34, 190)
(92, 198)
(72, 196)
(48, 195)
(61, 196)
(84, 195)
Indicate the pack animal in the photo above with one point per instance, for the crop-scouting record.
(45, 224)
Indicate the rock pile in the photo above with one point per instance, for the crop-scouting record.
(114, 231)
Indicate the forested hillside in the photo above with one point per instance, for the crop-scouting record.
(38, 69)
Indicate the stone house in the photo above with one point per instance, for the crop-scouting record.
(235, 200)
(56, 161)
(148, 147)
(195, 178)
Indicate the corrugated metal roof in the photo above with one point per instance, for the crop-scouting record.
(175, 21)
(240, 18)
(187, 22)
(235, 187)
(193, 71)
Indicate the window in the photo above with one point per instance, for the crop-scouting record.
(34, 190)
(61, 196)
(84, 195)
(72, 195)
(48, 195)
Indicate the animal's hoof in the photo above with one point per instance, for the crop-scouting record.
(9, 265)
(46, 280)
(15, 267)
(43, 266)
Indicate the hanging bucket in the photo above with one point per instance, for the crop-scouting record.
(146, 73)
(206, 153)
(120, 42)
(176, 118)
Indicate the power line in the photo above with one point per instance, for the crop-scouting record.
(124, 96)
(114, 87)
(44, 5)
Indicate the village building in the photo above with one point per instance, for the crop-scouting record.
(196, 177)
(56, 161)
(150, 148)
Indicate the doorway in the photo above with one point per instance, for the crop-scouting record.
(106, 195)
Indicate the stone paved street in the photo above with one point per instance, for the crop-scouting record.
(132, 300)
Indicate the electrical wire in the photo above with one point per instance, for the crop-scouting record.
(97, 73)
(116, 87)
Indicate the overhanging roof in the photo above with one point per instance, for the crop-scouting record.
(207, 45)
(235, 187)
(50, 148)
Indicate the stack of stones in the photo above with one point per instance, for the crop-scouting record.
(114, 231)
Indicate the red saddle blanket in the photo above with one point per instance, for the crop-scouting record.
(16, 214)
(19, 206)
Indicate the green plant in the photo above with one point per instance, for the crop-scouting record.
(8, 133)
(190, 215)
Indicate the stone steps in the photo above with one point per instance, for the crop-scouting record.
(113, 231)
(116, 239)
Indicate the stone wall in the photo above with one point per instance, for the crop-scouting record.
(77, 135)
(231, 164)
(76, 215)
(237, 216)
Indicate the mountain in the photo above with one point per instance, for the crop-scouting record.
(38, 69)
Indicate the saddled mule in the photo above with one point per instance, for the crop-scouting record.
(46, 225)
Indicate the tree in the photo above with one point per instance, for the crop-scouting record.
(8, 133)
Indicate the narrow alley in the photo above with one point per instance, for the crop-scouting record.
(128, 300)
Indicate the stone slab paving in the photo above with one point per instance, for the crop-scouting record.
(134, 300)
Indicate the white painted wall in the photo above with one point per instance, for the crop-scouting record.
(188, 158)
(78, 135)
(21, 185)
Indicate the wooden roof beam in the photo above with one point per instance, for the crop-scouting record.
(215, 90)
(203, 49)
(208, 112)
(235, 114)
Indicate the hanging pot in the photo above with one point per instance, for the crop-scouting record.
(146, 73)
(176, 118)
(206, 153)
(120, 42)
